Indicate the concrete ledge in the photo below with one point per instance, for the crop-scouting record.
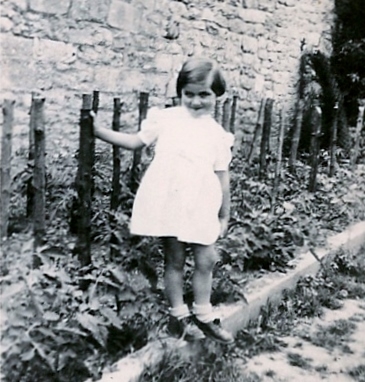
(236, 317)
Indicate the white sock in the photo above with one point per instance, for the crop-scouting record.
(180, 311)
(203, 313)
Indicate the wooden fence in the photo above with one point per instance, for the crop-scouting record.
(225, 113)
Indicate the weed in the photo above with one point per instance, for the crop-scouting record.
(212, 365)
(358, 373)
(296, 359)
(334, 335)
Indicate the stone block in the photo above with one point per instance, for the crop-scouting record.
(123, 16)
(54, 7)
(163, 62)
(17, 74)
(20, 5)
(96, 10)
(288, 3)
(53, 51)
(252, 15)
(249, 44)
(108, 79)
(208, 15)
(5, 24)
(237, 26)
(16, 47)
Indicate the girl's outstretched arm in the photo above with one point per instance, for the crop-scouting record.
(127, 141)
(224, 211)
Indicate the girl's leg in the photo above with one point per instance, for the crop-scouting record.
(205, 259)
(179, 324)
(175, 255)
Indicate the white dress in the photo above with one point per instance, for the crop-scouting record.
(180, 195)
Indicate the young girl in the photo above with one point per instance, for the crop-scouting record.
(184, 196)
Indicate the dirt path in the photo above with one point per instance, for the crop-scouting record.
(326, 349)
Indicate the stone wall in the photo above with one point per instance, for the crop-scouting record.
(120, 47)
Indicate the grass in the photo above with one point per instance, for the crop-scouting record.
(219, 363)
(334, 335)
(358, 373)
(213, 364)
(298, 360)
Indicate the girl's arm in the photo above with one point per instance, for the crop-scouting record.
(224, 211)
(127, 141)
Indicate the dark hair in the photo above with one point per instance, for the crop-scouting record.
(197, 70)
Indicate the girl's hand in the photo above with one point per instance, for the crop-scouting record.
(224, 226)
(95, 123)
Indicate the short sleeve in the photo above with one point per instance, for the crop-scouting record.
(150, 127)
(224, 153)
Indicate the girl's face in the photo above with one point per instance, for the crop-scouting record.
(198, 98)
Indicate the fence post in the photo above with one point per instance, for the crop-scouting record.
(265, 135)
(8, 113)
(278, 159)
(143, 107)
(115, 194)
(39, 175)
(217, 110)
(333, 140)
(225, 117)
(233, 114)
(84, 182)
(296, 136)
(359, 124)
(316, 133)
(258, 129)
(30, 187)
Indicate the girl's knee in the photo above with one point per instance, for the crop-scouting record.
(205, 257)
(174, 254)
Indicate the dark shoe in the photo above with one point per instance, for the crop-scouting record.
(213, 330)
(184, 328)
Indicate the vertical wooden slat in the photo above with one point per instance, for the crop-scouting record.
(233, 114)
(143, 107)
(30, 187)
(265, 135)
(359, 125)
(175, 101)
(315, 145)
(217, 110)
(115, 194)
(258, 130)
(39, 173)
(333, 140)
(279, 158)
(84, 182)
(6, 143)
(225, 116)
(296, 136)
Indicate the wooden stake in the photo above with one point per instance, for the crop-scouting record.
(225, 117)
(333, 140)
(315, 145)
(115, 194)
(233, 114)
(39, 173)
(30, 187)
(258, 130)
(265, 135)
(6, 143)
(278, 160)
(143, 107)
(84, 182)
(296, 136)
(359, 125)
(217, 110)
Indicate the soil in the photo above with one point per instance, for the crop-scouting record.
(330, 348)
